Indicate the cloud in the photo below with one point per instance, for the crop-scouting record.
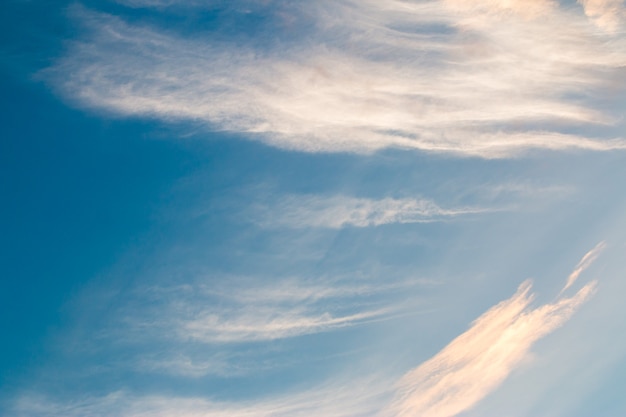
(526, 8)
(332, 400)
(365, 76)
(607, 14)
(185, 366)
(452, 381)
(152, 3)
(269, 324)
(341, 211)
(159, 3)
(584, 263)
(246, 311)
(479, 360)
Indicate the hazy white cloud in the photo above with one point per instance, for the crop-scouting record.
(185, 365)
(432, 76)
(609, 15)
(334, 400)
(254, 310)
(340, 211)
(268, 324)
(479, 360)
(584, 263)
(526, 8)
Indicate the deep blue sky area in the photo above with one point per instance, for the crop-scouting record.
(76, 192)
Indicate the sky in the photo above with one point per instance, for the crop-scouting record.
(272, 208)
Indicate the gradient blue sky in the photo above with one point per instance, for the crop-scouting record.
(341, 208)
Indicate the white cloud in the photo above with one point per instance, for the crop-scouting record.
(607, 14)
(340, 211)
(584, 263)
(479, 360)
(526, 8)
(333, 400)
(416, 75)
(253, 311)
(268, 324)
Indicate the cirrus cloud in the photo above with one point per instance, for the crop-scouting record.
(432, 76)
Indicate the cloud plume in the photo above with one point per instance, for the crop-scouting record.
(584, 263)
(479, 360)
(436, 76)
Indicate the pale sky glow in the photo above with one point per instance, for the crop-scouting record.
(323, 208)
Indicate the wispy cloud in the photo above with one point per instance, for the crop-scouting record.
(525, 8)
(334, 400)
(451, 382)
(609, 15)
(183, 365)
(248, 311)
(479, 360)
(269, 324)
(437, 76)
(340, 211)
(159, 3)
(584, 263)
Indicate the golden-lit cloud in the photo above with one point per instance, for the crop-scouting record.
(479, 360)
(609, 15)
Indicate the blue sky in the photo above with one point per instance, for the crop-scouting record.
(341, 208)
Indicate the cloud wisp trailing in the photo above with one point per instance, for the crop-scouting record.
(251, 312)
(479, 360)
(336, 212)
(584, 263)
(490, 79)
(334, 400)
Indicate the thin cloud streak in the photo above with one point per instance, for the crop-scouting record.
(342, 211)
(371, 75)
(270, 324)
(334, 400)
(246, 311)
(479, 360)
(525, 8)
(584, 263)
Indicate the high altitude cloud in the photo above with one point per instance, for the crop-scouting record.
(479, 360)
(452, 381)
(247, 311)
(341, 400)
(584, 263)
(482, 78)
(340, 211)
(526, 8)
